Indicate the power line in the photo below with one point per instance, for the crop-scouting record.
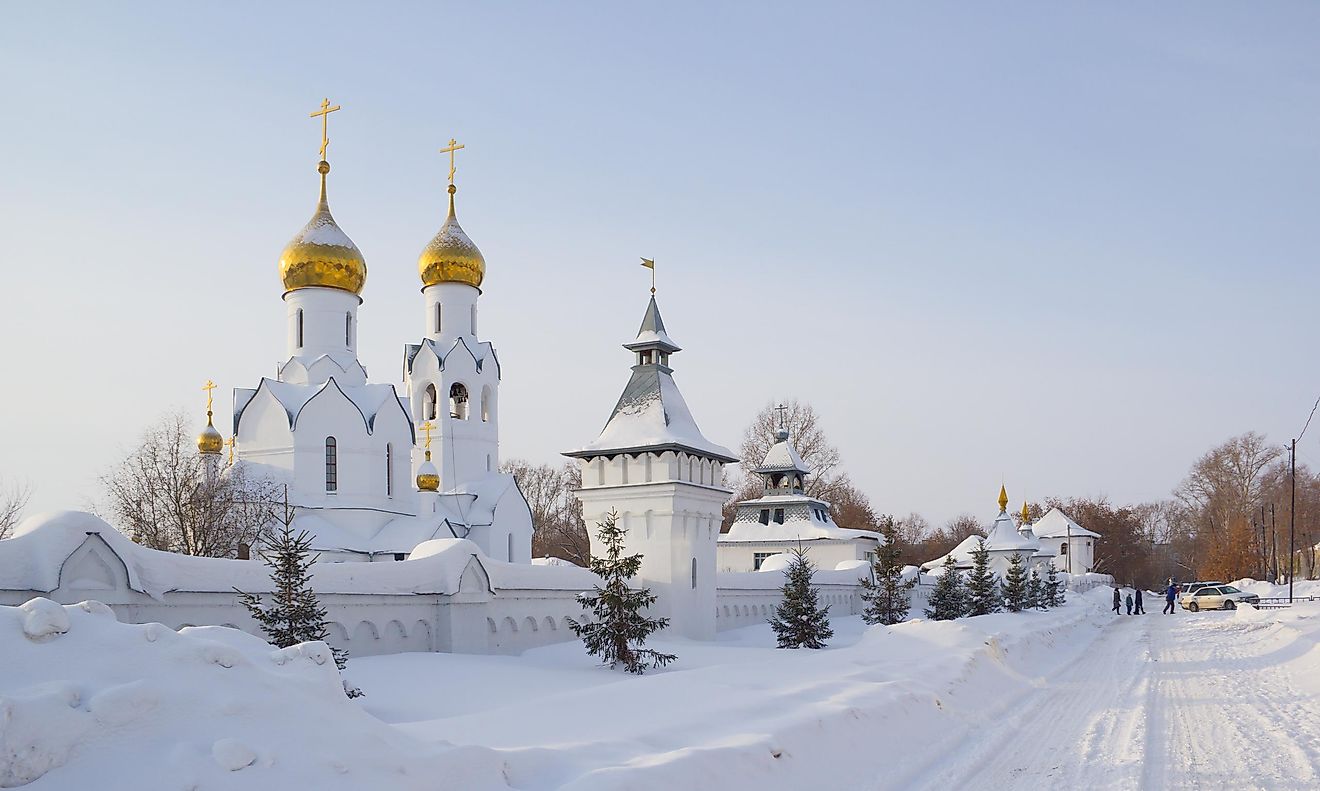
(1308, 417)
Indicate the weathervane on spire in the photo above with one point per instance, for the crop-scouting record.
(451, 149)
(324, 113)
(649, 263)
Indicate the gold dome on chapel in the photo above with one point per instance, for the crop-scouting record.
(210, 441)
(321, 254)
(451, 257)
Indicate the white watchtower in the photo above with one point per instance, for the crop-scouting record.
(652, 465)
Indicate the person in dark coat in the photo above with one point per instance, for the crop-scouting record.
(1140, 610)
(1129, 603)
(1170, 594)
(1118, 601)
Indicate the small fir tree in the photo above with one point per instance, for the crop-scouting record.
(1015, 584)
(620, 627)
(1053, 587)
(948, 600)
(982, 597)
(886, 596)
(294, 614)
(799, 620)
(1036, 592)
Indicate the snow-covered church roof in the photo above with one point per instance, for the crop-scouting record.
(1056, 524)
(651, 414)
(783, 457)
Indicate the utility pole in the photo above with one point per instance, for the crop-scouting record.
(1292, 519)
(1274, 547)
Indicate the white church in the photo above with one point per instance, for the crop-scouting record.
(350, 449)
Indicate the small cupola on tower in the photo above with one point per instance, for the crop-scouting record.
(783, 470)
(210, 442)
(451, 256)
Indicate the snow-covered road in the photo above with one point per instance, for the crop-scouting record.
(1205, 701)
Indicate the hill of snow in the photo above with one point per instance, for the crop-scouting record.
(87, 702)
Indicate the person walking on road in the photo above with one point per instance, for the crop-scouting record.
(1140, 610)
(1170, 594)
(1118, 601)
(1129, 603)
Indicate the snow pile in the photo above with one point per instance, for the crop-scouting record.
(1302, 589)
(880, 705)
(87, 702)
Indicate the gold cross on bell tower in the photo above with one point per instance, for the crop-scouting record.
(208, 387)
(324, 112)
(453, 147)
(425, 428)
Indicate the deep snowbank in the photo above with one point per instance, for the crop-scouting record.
(884, 705)
(89, 703)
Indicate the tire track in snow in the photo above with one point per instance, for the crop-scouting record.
(1086, 726)
(1233, 716)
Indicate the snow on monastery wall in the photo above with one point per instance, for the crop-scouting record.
(447, 597)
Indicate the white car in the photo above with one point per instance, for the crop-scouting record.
(1217, 597)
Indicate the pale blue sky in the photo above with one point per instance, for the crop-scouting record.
(1054, 243)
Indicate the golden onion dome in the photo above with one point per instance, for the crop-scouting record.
(321, 254)
(451, 257)
(428, 479)
(210, 441)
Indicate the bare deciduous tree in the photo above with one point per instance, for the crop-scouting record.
(557, 526)
(13, 499)
(161, 496)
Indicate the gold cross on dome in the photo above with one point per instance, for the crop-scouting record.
(208, 387)
(230, 443)
(426, 429)
(453, 147)
(324, 112)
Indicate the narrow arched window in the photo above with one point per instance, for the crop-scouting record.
(474, 319)
(299, 322)
(348, 330)
(1063, 548)
(429, 403)
(331, 465)
(437, 318)
(389, 470)
(485, 404)
(694, 573)
(458, 401)
(510, 553)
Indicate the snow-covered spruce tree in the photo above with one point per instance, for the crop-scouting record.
(799, 620)
(1053, 587)
(887, 598)
(982, 596)
(1036, 592)
(294, 614)
(949, 599)
(1015, 584)
(620, 627)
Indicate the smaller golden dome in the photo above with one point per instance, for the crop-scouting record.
(428, 480)
(1026, 513)
(1003, 499)
(210, 441)
(451, 257)
(321, 254)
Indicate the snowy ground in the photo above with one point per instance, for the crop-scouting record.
(1071, 698)
(1075, 698)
